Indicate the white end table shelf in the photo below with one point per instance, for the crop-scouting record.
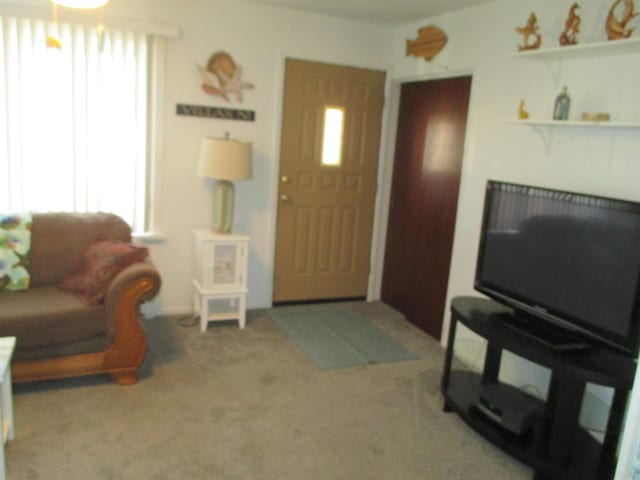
(220, 283)
(7, 345)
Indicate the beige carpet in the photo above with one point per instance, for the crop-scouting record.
(248, 404)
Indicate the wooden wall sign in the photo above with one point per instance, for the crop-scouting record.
(428, 43)
(215, 112)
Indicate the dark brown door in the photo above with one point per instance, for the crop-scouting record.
(424, 199)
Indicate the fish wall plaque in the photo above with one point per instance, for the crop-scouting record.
(429, 42)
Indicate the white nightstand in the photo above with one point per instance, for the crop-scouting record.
(7, 346)
(221, 276)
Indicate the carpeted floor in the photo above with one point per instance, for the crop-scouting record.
(235, 404)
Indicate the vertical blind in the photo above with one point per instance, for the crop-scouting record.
(73, 133)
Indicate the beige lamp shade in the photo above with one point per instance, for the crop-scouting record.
(225, 159)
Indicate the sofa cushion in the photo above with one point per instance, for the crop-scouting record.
(15, 246)
(59, 240)
(46, 317)
(102, 261)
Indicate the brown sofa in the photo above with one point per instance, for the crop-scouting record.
(58, 335)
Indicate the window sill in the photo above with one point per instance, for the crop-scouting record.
(149, 237)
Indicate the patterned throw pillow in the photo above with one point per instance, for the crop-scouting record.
(15, 245)
(102, 261)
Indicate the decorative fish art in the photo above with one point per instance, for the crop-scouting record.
(617, 27)
(222, 77)
(428, 43)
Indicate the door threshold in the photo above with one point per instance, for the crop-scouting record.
(318, 300)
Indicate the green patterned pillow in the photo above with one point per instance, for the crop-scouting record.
(15, 245)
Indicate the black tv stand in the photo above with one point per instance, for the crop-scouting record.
(556, 446)
(573, 347)
(555, 339)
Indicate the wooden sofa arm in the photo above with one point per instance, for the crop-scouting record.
(135, 284)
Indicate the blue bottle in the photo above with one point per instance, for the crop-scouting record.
(561, 107)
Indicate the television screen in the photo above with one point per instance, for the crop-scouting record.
(568, 259)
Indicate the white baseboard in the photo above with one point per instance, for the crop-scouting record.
(154, 308)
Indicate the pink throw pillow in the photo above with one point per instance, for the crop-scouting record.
(102, 261)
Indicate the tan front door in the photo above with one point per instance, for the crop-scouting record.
(326, 203)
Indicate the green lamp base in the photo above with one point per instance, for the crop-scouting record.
(223, 198)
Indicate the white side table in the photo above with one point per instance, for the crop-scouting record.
(220, 283)
(7, 345)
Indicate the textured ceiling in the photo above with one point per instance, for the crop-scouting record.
(384, 12)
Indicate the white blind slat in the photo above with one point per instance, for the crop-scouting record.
(73, 137)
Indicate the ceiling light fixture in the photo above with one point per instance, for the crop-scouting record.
(81, 3)
(54, 42)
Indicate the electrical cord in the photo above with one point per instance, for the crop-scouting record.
(188, 321)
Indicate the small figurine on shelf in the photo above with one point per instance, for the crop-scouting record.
(528, 31)
(522, 113)
(571, 27)
(561, 107)
(596, 117)
(617, 29)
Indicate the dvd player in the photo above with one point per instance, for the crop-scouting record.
(505, 408)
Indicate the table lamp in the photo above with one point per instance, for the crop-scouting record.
(225, 160)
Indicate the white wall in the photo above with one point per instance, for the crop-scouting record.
(481, 40)
(259, 38)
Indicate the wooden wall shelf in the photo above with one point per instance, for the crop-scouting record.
(574, 123)
(584, 50)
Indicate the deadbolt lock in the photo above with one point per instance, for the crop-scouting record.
(285, 179)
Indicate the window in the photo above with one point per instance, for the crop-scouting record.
(73, 136)
(332, 136)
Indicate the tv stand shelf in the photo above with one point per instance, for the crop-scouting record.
(556, 446)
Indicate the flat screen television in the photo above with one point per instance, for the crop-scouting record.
(567, 263)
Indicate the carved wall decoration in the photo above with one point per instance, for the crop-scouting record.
(522, 113)
(617, 27)
(429, 42)
(571, 27)
(223, 76)
(531, 38)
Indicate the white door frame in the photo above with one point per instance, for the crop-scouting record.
(278, 96)
(385, 170)
(386, 157)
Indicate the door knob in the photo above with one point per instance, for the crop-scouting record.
(285, 198)
(285, 179)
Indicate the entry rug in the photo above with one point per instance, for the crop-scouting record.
(335, 336)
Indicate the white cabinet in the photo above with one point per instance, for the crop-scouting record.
(7, 346)
(220, 283)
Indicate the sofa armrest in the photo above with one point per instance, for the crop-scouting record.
(135, 284)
